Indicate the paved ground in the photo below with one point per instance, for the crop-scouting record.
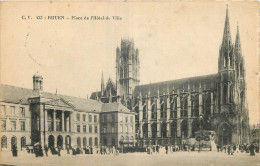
(135, 159)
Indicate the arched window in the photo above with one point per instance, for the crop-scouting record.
(78, 142)
(14, 141)
(230, 60)
(84, 142)
(96, 141)
(241, 70)
(90, 141)
(154, 113)
(125, 72)
(231, 94)
(4, 142)
(144, 113)
(225, 94)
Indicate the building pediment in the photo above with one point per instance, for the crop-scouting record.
(60, 102)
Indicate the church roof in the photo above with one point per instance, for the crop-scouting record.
(20, 95)
(109, 107)
(207, 82)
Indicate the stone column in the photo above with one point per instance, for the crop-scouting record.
(189, 105)
(149, 109)
(200, 100)
(67, 124)
(71, 122)
(168, 129)
(158, 129)
(54, 120)
(149, 130)
(178, 127)
(178, 114)
(168, 108)
(62, 121)
(158, 107)
(211, 103)
(189, 128)
(140, 111)
(141, 130)
(46, 120)
(41, 124)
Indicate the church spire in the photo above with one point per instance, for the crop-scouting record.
(227, 34)
(237, 42)
(102, 85)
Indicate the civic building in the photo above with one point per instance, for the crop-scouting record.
(29, 116)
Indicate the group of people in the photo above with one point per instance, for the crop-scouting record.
(157, 149)
(231, 149)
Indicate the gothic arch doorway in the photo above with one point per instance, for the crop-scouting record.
(225, 134)
(164, 130)
(195, 127)
(154, 130)
(145, 130)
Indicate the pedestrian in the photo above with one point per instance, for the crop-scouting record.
(229, 149)
(252, 150)
(257, 149)
(14, 150)
(166, 149)
(68, 149)
(46, 149)
(59, 149)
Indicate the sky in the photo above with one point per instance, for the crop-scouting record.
(175, 40)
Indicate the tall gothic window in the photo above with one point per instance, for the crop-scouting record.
(231, 94)
(144, 113)
(225, 94)
(154, 113)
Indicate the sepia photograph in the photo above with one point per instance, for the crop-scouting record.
(129, 83)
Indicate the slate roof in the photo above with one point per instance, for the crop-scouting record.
(15, 94)
(108, 107)
(206, 81)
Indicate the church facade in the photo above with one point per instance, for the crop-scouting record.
(169, 112)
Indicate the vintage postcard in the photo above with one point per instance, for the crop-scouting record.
(129, 83)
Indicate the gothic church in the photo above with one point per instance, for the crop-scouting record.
(168, 112)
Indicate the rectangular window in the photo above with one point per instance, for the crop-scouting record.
(112, 128)
(126, 119)
(96, 129)
(78, 128)
(22, 124)
(121, 128)
(13, 125)
(22, 111)
(132, 129)
(113, 118)
(131, 119)
(84, 118)
(3, 125)
(105, 129)
(105, 118)
(121, 118)
(78, 117)
(3, 110)
(95, 118)
(126, 128)
(12, 110)
(90, 118)
(84, 128)
(90, 129)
